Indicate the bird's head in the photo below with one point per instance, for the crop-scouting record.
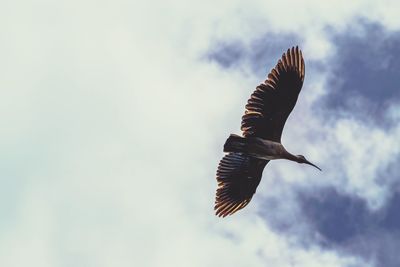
(302, 159)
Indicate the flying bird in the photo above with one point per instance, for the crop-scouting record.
(240, 170)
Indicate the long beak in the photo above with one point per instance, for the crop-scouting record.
(309, 163)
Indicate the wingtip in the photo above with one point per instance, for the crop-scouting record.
(219, 213)
(293, 59)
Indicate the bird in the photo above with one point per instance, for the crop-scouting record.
(240, 170)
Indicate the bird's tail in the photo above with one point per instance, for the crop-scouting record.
(235, 143)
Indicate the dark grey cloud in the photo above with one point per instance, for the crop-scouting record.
(260, 54)
(227, 54)
(364, 73)
(335, 220)
(336, 217)
(392, 218)
(347, 225)
(339, 221)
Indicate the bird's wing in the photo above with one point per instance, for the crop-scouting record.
(238, 176)
(271, 103)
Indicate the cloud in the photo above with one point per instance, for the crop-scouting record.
(113, 123)
(344, 222)
(353, 205)
(255, 54)
(364, 77)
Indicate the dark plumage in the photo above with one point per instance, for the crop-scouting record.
(239, 172)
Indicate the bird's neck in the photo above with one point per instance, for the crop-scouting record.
(290, 156)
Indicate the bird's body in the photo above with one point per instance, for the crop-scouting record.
(256, 147)
(239, 172)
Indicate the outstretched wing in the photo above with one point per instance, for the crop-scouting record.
(238, 176)
(271, 103)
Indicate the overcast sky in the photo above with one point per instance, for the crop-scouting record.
(114, 114)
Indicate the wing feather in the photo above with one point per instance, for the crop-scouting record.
(238, 176)
(271, 103)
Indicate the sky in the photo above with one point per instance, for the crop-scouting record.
(114, 115)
